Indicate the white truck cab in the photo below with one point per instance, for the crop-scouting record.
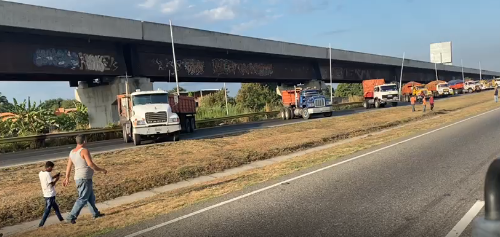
(443, 89)
(471, 86)
(387, 93)
(151, 115)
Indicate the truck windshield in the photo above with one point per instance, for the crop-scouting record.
(443, 85)
(150, 99)
(309, 93)
(388, 88)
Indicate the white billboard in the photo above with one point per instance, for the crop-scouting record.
(441, 53)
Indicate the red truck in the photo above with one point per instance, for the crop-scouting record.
(457, 86)
(155, 114)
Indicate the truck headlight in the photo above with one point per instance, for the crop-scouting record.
(140, 122)
(174, 120)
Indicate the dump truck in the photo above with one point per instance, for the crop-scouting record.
(304, 103)
(438, 88)
(456, 87)
(413, 89)
(155, 115)
(487, 84)
(472, 86)
(377, 94)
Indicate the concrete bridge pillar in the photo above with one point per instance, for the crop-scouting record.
(101, 99)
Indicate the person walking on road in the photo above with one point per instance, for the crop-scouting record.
(496, 94)
(431, 102)
(412, 101)
(424, 102)
(84, 171)
(48, 183)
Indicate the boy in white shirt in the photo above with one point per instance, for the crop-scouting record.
(48, 183)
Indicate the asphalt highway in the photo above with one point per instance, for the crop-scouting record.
(417, 186)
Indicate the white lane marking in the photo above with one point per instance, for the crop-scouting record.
(466, 220)
(298, 177)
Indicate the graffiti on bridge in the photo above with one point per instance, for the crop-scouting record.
(229, 67)
(340, 73)
(74, 60)
(192, 67)
(195, 67)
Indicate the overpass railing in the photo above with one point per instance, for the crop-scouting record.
(43, 137)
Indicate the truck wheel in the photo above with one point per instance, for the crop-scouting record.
(287, 114)
(193, 124)
(291, 113)
(327, 114)
(305, 114)
(394, 104)
(377, 104)
(366, 105)
(175, 136)
(282, 113)
(137, 139)
(126, 137)
(187, 126)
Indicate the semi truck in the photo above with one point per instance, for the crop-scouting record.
(378, 94)
(438, 88)
(155, 115)
(304, 103)
(456, 87)
(414, 89)
(472, 86)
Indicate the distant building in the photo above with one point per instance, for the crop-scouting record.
(60, 111)
(198, 95)
(5, 116)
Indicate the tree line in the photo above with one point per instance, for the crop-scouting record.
(32, 118)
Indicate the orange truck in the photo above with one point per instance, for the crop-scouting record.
(438, 88)
(377, 93)
(304, 103)
(413, 89)
(154, 115)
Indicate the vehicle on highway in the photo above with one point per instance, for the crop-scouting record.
(155, 114)
(497, 81)
(377, 93)
(304, 103)
(472, 86)
(438, 88)
(456, 87)
(414, 89)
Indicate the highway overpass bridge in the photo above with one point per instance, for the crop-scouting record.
(44, 44)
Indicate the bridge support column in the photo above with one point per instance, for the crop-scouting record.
(101, 99)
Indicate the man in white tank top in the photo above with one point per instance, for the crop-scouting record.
(84, 170)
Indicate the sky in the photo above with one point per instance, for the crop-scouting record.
(385, 27)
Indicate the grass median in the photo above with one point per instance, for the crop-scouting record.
(144, 168)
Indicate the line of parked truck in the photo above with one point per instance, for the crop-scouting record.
(158, 114)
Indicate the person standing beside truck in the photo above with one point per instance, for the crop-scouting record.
(496, 94)
(412, 101)
(424, 102)
(431, 102)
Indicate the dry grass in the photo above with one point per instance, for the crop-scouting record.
(167, 202)
(140, 169)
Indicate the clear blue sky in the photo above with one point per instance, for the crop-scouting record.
(387, 27)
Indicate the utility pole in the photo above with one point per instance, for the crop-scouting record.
(435, 68)
(401, 76)
(331, 80)
(225, 95)
(480, 72)
(175, 61)
(463, 77)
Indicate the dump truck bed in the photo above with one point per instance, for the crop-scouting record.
(369, 86)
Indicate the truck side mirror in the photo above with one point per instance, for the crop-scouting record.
(489, 225)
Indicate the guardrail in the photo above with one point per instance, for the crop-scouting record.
(106, 130)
